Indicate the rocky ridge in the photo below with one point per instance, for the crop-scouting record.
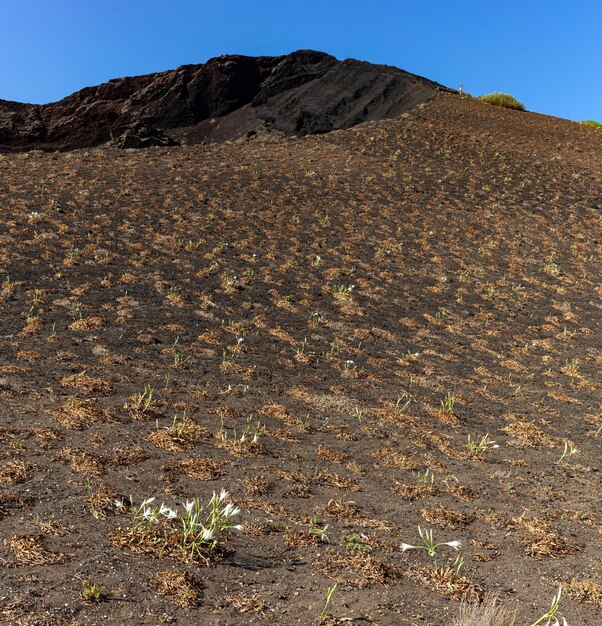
(305, 92)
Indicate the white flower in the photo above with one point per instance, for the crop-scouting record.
(223, 494)
(167, 512)
(189, 506)
(453, 544)
(147, 502)
(237, 527)
(406, 546)
(148, 514)
(119, 503)
(207, 534)
(230, 510)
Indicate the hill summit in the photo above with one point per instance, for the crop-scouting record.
(305, 92)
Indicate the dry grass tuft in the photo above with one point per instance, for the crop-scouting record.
(331, 479)
(357, 569)
(527, 434)
(541, 539)
(77, 414)
(30, 550)
(267, 506)
(414, 492)
(199, 469)
(300, 538)
(104, 502)
(390, 457)
(244, 604)
(283, 435)
(329, 454)
(82, 462)
(19, 613)
(86, 384)
(345, 510)
(48, 527)
(15, 472)
(448, 519)
(348, 512)
(484, 557)
(179, 437)
(127, 456)
(447, 581)
(280, 412)
(182, 587)
(240, 448)
(487, 613)
(87, 323)
(584, 590)
(257, 485)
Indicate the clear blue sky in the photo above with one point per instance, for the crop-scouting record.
(546, 53)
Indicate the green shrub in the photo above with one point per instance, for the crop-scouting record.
(503, 100)
(591, 123)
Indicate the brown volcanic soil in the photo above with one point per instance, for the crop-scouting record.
(305, 92)
(314, 285)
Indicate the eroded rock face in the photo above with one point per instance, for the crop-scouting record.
(229, 96)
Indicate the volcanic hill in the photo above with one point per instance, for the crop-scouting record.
(305, 92)
(356, 334)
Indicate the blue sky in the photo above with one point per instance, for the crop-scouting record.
(548, 54)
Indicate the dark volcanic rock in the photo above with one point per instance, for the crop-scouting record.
(228, 97)
(140, 135)
(348, 93)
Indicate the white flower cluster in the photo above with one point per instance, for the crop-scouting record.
(198, 523)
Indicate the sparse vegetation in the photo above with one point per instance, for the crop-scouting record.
(329, 594)
(430, 544)
(407, 337)
(93, 591)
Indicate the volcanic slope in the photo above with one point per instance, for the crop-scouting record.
(407, 316)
